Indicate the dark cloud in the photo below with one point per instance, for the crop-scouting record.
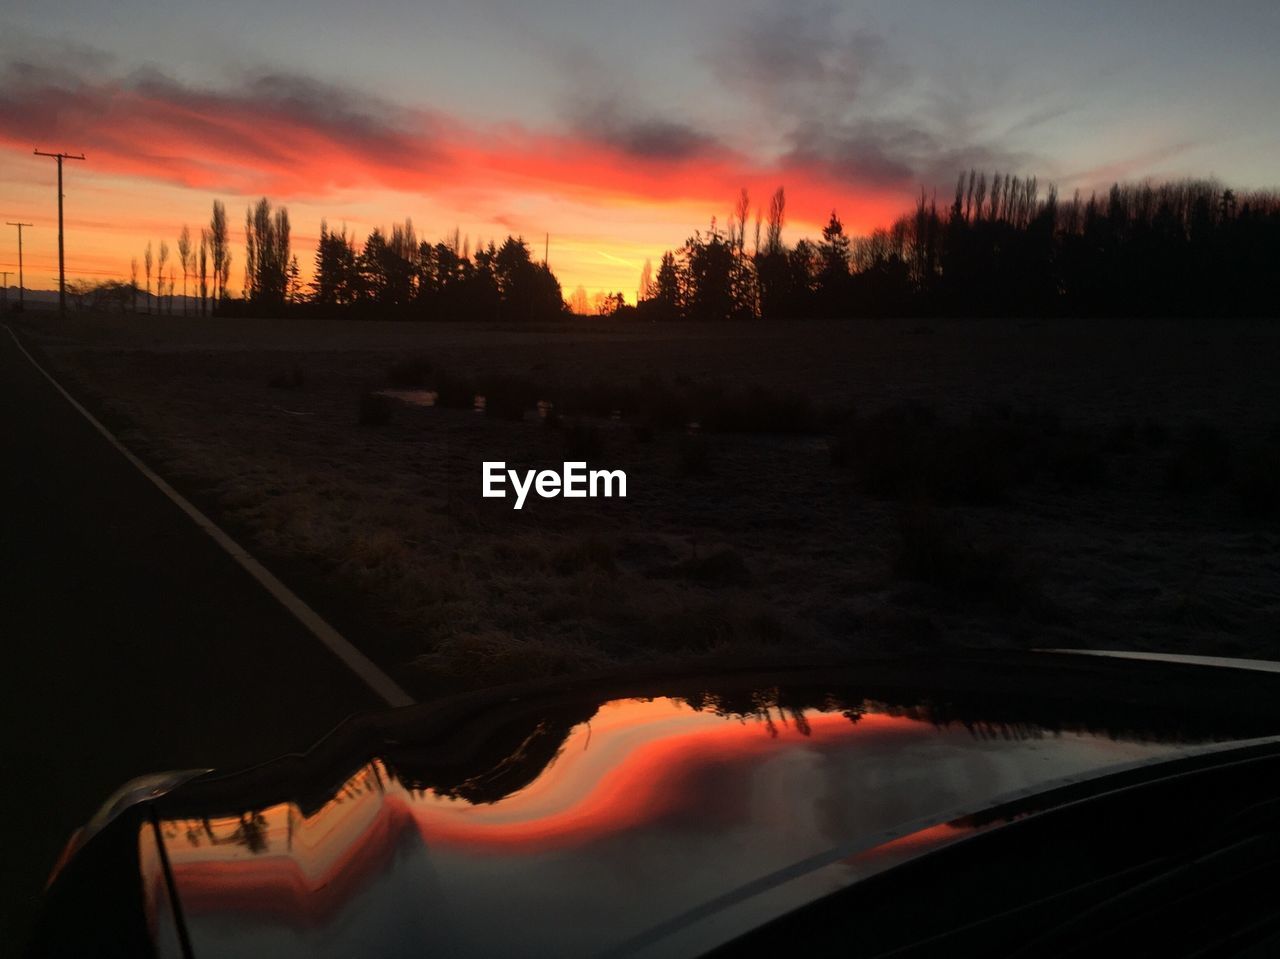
(892, 153)
(645, 138)
(842, 103)
(269, 132)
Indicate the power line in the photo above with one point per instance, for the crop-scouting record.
(21, 302)
(62, 269)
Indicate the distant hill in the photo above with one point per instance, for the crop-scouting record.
(48, 299)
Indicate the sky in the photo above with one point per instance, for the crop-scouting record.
(616, 129)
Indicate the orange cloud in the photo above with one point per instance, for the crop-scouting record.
(287, 138)
(628, 192)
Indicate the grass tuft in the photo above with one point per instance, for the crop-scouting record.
(936, 551)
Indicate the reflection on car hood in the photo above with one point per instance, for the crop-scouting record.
(664, 823)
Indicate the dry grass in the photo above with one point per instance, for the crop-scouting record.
(1073, 503)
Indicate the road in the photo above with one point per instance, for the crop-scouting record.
(131, 641)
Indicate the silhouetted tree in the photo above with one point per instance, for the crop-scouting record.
(267, 255)
(160, 261)
(1004, 246)
(777, 215)
(336, 280)
(666, 300)
(184, 257)
(148, 261)
(204, 272)
(219, 251)
(716, 281)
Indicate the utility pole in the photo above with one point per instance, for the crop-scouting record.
(4, 303)
(62, 266)
(20, 295)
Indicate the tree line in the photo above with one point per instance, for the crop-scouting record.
(389, 274)
(395, 273)
(1001, 247)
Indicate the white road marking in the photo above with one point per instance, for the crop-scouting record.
(352, 658)
(1223, 662)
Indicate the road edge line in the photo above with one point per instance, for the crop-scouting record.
(360, 664)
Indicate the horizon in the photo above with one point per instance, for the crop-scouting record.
(617, 151)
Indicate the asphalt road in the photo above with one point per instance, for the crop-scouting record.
(129, 641)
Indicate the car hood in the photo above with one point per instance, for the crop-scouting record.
(660, 816)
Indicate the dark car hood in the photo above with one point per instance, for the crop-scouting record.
(653, 817)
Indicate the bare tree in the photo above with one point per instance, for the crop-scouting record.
(776, 217)
(646, 282)
(266, 242)
(219, 250)
(184, 257)
(204, 271)
(740, 212)
(226, 271)
(162, 259)
(147, 261)
(250, 255)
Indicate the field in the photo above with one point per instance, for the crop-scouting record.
(864, 485)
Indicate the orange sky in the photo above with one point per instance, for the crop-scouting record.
(156, 159)
(616, 128)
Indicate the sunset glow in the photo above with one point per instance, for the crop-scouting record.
(627, 773)
(605, 212)
(620, 771)
(615, 133)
